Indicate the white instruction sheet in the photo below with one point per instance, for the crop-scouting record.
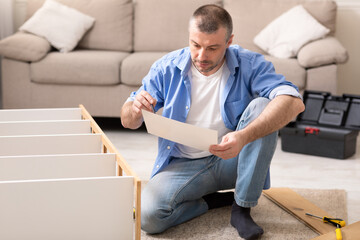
(187, 134)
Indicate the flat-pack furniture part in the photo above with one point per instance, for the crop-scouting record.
(50, 144)
(35, 167)
(69, 208)
(64, 180)
(41, 114)
(350, 232)
(297, 206)
(328, 127)
(44, 127)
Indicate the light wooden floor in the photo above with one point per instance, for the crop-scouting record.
(287, 169)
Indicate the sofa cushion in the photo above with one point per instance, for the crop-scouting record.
(162, 25)
(247, 23)
(81, 67)
(285, 35)
(24, 47)
(113, 27)
(291, 69)
(61, 25)
(135, 67)
(322, 52)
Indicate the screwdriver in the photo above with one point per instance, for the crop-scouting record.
(337, 222)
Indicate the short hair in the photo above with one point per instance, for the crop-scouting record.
(210, 17)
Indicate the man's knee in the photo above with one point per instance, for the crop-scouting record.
(252, 111)
(149, 221)
(153, 214)
(258, 105)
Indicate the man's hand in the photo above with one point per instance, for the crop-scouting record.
(280, 111)
(230, 146)
(143, 101)
(131, 116)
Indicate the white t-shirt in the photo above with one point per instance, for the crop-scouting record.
(205, 108)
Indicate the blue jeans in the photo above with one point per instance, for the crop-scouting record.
(174, 195)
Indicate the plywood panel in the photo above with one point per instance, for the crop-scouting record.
(297, 206)
(91, 209)
(57, 166)
(40, 114)
(351, 232)
(50, 144)
(44, 127)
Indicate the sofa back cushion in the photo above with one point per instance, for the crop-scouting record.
(162, 25)
(113, 22)
(251, 16)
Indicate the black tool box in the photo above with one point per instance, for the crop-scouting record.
(328, 127)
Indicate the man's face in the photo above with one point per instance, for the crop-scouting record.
(208, 50)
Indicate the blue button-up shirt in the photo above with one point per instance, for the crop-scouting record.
(168, 82)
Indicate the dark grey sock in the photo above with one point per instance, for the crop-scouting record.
(219, 199)
(244, 224)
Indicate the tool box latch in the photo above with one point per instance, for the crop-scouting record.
(312, 130)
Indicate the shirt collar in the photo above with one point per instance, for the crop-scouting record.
(231, 60)
(184, 61)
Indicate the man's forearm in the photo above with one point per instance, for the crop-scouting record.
(129, 119)
(279, 112)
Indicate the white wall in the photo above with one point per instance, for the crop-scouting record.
(19, 13)
(6, 18)
(6, 26)
(347, 31)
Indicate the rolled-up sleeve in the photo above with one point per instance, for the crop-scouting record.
(284, 90)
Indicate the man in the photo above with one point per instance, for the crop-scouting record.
(214, 85)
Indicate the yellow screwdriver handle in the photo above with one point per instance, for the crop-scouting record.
(334, 220)
(338, 234)
(340, 222)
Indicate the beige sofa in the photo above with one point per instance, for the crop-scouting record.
(128, 36)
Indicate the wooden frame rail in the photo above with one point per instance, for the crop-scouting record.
(122, 167)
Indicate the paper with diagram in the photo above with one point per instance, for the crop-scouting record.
(187, 134)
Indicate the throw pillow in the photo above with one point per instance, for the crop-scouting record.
(323, 52)
(24, 47)
(285, 35)
(61, 25)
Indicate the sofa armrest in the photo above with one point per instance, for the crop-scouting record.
(24, 47)
(322, 52)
